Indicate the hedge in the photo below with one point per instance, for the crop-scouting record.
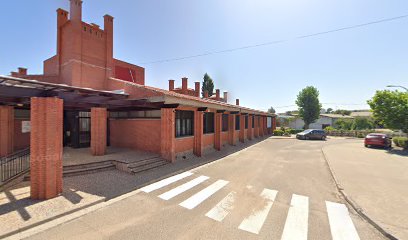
(278, 133)
(401, 142)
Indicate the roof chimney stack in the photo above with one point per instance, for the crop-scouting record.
(217, 94)
(22, 71)
(184, 84)
(171, 85)
(197, 89)
(76, 10)
(226, 97)
(237, 102)
(205, 94)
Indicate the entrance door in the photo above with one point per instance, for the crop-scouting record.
(77, 129)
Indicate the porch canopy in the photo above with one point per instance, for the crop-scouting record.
(17, 92)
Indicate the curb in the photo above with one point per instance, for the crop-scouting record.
(360, 211)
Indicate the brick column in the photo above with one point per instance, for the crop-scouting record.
(273, 124)
(168, 134)
(98, 131)
(218, 130)
(198, 133)
(250, 129)
(231, 129)
(256, 129)
(242, 128)
(46, 147)
(6, 130)
(261, 126)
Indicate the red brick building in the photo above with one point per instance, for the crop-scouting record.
(87, 98)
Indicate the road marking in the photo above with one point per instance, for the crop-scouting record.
(201, 196)
(165, 182)
(182, 188)
(341, 225)
(254, 222)
(296, 225)
(223, 208)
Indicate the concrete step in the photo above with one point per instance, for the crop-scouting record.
(144, 162)
(87, 165)
(82, 169)
(146, 167)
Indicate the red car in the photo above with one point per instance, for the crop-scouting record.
(378, 139)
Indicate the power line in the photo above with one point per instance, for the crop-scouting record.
(278, 41)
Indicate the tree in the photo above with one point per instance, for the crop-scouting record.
(342, 112)
(208, 85)
(343, 124)
(362, 123)
(390, 108)
(271, 110)
(329, 110)
(309, 105)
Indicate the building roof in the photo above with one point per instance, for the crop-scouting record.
(336, 116)
(361, 114)
(170, 97)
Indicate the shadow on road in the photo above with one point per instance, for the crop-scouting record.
(398, 151)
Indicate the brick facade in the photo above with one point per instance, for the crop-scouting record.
(46, 147)
(198, 133)
(99, 118)
(242, 128)
(167, 144)
(6, 130)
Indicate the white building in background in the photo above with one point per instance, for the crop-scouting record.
(324, 121)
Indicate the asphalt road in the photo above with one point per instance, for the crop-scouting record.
(276, 189)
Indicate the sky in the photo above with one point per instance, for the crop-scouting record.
(347, 67)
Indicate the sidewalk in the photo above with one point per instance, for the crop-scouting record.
(18, 212)
(376, 180)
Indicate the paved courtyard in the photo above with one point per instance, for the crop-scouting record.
(276, 189)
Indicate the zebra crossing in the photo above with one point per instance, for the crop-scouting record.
(297, 220)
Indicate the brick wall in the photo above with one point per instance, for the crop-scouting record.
(21, 140)
(141, 134)
(208, 139)
(184, 144)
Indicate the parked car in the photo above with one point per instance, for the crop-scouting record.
(312, 134)
(378, 139)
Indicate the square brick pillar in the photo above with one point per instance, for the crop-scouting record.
(99, 118)
(218, 130)
(242, 128)
(250, 129)
(261, 126)
(6, 130)
(168, 134)
(231, 129)
(256, 129)
(198, 133)
(273, 124)
(46, 147)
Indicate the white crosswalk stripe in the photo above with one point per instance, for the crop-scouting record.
(341, 225)
(255, 222)
(223, 208)
(296, 225)
(165, 182)
(201, 196)
(182, 188)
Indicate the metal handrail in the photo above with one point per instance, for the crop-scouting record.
(14, 164)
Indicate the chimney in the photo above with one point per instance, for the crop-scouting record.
(171, 85)
(184, 83)
(205, 94)
(226, 97)
(197, 89)
(217, 94)
(237, 102)
(22, 71)
(76, 10)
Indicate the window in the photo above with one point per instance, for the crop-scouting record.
(237, 122)
(224, 122)
(269, 122)
(253, 121)
(208, 122)
(184, 123)
(246, 122)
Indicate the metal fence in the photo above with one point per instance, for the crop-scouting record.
(14, 164)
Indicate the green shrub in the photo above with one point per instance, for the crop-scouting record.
(360, 135)
(278, 133)
(295, 131)
(401, 142)
(329, 128)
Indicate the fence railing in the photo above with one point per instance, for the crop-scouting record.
(14, 164)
